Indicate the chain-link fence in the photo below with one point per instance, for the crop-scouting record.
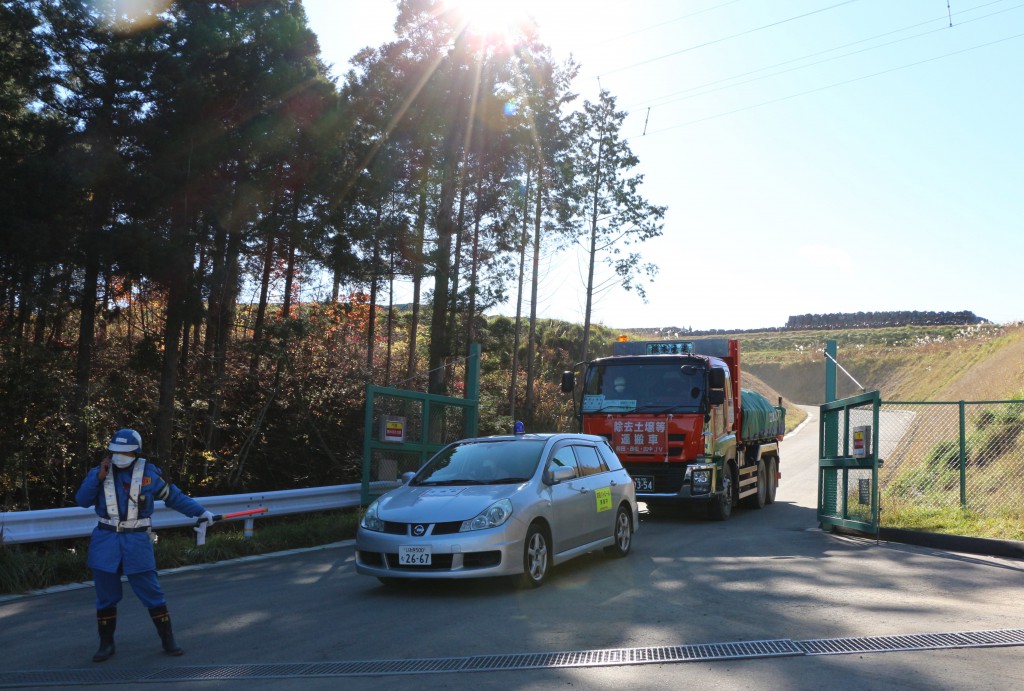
(953, 467)
(447, 421)
(405, 428)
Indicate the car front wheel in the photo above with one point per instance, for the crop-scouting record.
(536, 558)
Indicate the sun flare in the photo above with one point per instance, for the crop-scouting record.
(127, 16)
(495, 20)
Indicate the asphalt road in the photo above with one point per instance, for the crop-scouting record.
(764, 575)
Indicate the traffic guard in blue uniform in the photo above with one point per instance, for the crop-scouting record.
(124, 489)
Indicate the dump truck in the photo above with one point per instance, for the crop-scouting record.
(684, 428)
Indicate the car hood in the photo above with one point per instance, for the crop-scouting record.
(433, 504)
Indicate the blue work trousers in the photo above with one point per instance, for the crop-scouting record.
(144, 584)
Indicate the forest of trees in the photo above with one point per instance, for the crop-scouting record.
(201, 231)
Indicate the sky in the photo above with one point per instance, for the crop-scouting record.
(815, 156)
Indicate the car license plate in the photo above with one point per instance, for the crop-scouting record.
(644, 483)
(409, 555)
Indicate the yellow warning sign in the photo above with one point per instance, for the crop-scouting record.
(392, 429)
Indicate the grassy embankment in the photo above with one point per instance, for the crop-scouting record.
(949, 364)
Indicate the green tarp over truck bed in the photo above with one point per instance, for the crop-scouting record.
(761, 419)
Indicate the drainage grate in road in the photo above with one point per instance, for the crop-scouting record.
(268, 671)
(922, 641)
(632, 656)
(366, 668)
(68, 677)
(610, 657)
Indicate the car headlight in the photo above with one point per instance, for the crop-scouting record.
(491, 517)
(371, 521)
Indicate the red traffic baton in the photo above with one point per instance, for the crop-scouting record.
(202, 525)
(239, 514)
(236, 514)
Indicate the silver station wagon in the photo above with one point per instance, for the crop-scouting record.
(501, 506)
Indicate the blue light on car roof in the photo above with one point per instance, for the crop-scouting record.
(520, 427)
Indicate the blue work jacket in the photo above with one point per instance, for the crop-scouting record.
(131, 550)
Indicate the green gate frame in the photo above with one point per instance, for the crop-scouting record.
(422, 447)
(832, 463)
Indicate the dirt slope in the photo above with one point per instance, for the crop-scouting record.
(794, 414)
(951, 371)
(999, 376)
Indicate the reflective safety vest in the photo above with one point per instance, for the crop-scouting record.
(132, 520)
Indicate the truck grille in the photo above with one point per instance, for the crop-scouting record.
(668, 477)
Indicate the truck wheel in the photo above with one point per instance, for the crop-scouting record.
(720, 508)
(773, 480)
(757, 500)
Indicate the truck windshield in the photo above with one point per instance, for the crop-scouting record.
(665, 387)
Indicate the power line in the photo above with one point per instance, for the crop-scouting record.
(831, 86)
(661, 102)
(726, 38)
(661, 24)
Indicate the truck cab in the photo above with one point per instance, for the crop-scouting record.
(655, 407)
(672, 411)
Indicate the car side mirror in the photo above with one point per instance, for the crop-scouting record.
(568, 381)
(407, 477)
(716, 396)
(561, 474)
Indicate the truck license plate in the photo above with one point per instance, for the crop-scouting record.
(644, 483)
(414, 556)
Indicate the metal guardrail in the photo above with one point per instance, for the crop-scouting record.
(65, 524)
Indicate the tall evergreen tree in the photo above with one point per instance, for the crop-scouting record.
(612, 216)
(103, 62)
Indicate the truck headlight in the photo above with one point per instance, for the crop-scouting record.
(700, 480)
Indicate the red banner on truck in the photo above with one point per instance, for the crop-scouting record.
(646, 435)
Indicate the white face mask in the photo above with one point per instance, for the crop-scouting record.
(122, 460)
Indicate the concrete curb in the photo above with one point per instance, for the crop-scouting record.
(955, 543)
(1012, 549)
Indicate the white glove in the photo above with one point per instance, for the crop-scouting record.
(203, 521)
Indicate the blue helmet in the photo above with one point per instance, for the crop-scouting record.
(125, 440)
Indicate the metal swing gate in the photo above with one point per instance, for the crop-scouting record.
(848, 464)
(402, 429)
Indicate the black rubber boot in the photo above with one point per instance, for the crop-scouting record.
(162, 620)
(106, 622)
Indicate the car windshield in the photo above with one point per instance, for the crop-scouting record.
(504, 461)
(675, 385)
